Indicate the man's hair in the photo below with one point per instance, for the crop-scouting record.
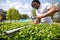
(37, 1)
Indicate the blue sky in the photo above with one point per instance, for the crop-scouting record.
(24, 6)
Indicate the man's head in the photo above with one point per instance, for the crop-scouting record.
(36, 4)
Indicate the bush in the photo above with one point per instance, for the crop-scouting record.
(34, 32)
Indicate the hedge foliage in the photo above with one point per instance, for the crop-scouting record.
(32, 32)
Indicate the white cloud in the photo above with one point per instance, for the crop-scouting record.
(18, 5)
(7, 1)
(26, 6)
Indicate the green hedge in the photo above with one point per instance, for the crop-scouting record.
(32, 32)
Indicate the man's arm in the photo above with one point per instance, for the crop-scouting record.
(51, 10)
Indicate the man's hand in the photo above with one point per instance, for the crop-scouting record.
(36, 21)
(40, 16)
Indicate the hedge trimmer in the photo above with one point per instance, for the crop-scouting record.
(13, 30)
(11, 33)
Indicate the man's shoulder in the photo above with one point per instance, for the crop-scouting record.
(46, 4)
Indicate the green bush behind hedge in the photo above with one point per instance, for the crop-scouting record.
(32, 32)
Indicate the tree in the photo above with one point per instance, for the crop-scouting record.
(12, 14)
(33, 12)
(1, 15)
(24, 16)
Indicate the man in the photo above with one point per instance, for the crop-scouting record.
(43, 12)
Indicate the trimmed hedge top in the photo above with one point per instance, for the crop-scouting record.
(32, 32)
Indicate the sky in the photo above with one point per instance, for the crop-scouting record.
(23, 6)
